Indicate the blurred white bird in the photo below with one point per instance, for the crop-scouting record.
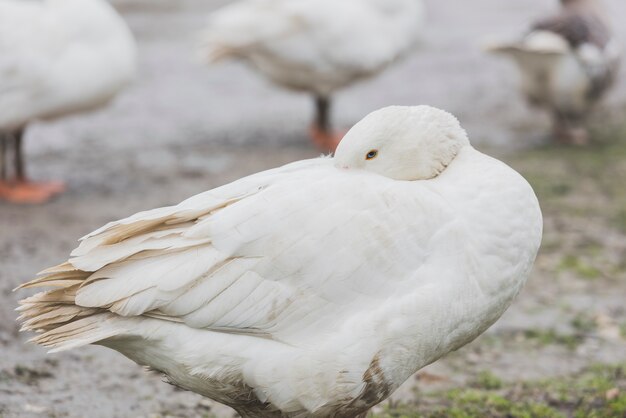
(315, 289)
(315, 46)
(57, 57)
(567, 62)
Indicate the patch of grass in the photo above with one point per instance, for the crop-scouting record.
(579, 267)
(584, 323)
(26, 373)
(487, 380)
(620, 220)
(598, 392)
(550, 336)
(581, 182)
(532, 338)
(472, 403)
(590, 246)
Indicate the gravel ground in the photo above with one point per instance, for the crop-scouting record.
(183, 128)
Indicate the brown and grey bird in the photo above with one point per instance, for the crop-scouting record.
(567, 62)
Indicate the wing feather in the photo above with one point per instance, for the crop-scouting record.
(263, 256)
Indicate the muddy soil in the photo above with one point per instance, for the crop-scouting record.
(183, 128)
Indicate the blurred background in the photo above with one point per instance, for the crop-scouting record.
(182, 128)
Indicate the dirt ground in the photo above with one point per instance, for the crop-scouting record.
(183, 128)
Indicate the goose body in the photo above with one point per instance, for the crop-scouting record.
(567, 63)
(58, 57)
(314, 289)
(317, 47)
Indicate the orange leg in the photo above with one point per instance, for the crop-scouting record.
(322, 135)
(323, 140)
(19, 189)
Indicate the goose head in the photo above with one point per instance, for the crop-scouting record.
(402, 143)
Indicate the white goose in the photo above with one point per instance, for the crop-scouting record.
(314, 289)
(315, 46)
(567, 62)
(57, 57)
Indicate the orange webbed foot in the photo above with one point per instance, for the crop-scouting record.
(27, 192)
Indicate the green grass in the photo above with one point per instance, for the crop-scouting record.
(537, 338)
(583, 197)
(551, 337)
(487, 380)
(580, 181)
(584, 323)
(620, 218)
(599, 391)
(579, 267)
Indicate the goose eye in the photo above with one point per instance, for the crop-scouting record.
(371, 155)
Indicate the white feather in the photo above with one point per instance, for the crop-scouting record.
(290, 286)
(316, 46)
(60, 56)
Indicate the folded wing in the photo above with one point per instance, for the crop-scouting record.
(274, 255)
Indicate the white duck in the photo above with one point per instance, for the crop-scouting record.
(315, 46)
(567, 62)
(315, 289)
(57, 57)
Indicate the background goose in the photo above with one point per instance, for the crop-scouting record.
(567, 61)
(317, 47)
(425, 243)
(56, 57)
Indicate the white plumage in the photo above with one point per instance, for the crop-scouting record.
(314, 289)
(317, 47)
(58, 57)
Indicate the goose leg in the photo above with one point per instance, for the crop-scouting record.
(20, 189)
(20, 170)
(321, 131)
(3, 153)
(569, 131)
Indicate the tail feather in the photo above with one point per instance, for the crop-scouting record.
(84, 331)
(61, 268)
(63, 295)
(63, 322)
(56, 315)
(62, 275)
(53, 314)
